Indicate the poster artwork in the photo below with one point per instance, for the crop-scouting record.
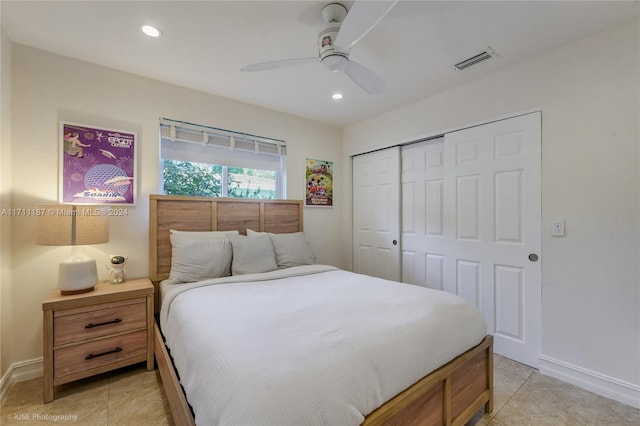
(319, 176)
(98, 165)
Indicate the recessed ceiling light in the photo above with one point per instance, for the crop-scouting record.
(151, 31)
(337, 96)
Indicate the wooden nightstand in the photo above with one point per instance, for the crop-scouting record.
(95, 332)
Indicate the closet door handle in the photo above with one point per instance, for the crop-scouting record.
(395, 242)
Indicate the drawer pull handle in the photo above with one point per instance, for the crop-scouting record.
(112, 351)
(91, 325)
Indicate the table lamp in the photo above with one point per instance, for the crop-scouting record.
(71, 225)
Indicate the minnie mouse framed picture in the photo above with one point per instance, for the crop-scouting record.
(319, 181)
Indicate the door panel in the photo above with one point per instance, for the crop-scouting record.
(376, 213)
(423, 214)
(508, 212)
(470, 218)
(435, 271)
(468, 280)
(509, 296)
(497, 202)
(467, 207)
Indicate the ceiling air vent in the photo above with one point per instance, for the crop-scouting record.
(476, 59)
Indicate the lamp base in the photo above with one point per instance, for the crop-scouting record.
(77, 274)
(71, 292)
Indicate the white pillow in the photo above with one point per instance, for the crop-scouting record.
(195, 257)
(292, 250)
(252, 233)
(252, 255)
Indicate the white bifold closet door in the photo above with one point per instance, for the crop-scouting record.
(471, 215)
(376, 214)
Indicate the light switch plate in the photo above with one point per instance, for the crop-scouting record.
(557, 227)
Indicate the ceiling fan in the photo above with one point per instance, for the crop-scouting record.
(337, 37)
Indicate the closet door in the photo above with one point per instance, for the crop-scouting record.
(471, 225)
(376, 214)
(492, 214)
(423, 214)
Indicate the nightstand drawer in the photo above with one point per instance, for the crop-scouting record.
(74, 359)
(78, 324)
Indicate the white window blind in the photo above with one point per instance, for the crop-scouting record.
(182, 141)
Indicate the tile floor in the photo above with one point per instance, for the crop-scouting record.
(134, 396)
(129, 396)
(524, 397)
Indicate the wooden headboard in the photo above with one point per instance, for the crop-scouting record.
(213, 214)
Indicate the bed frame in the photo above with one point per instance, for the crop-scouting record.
(450, 395)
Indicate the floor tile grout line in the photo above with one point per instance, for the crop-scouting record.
(514, 394)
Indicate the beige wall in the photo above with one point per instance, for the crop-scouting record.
(48, 88)
(588, 92)
(5, 203)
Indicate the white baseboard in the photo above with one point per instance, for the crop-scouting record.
(20, 372)
(609, 387)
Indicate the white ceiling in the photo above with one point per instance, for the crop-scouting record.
(205, 43)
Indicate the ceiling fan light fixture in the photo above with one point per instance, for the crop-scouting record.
(335, 62)
(151, 31)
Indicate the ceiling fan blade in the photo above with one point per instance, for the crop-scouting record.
(364, 77)
(362, 17)
(283, 63)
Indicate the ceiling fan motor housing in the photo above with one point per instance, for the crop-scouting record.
(333, 15)
(332, 59)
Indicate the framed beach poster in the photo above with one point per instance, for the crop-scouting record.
(97, 165)
(319, 177)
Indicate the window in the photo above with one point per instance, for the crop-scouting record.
(211, 162)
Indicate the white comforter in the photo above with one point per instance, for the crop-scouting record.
(320, 347)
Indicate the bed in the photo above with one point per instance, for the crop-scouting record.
(322, 364)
